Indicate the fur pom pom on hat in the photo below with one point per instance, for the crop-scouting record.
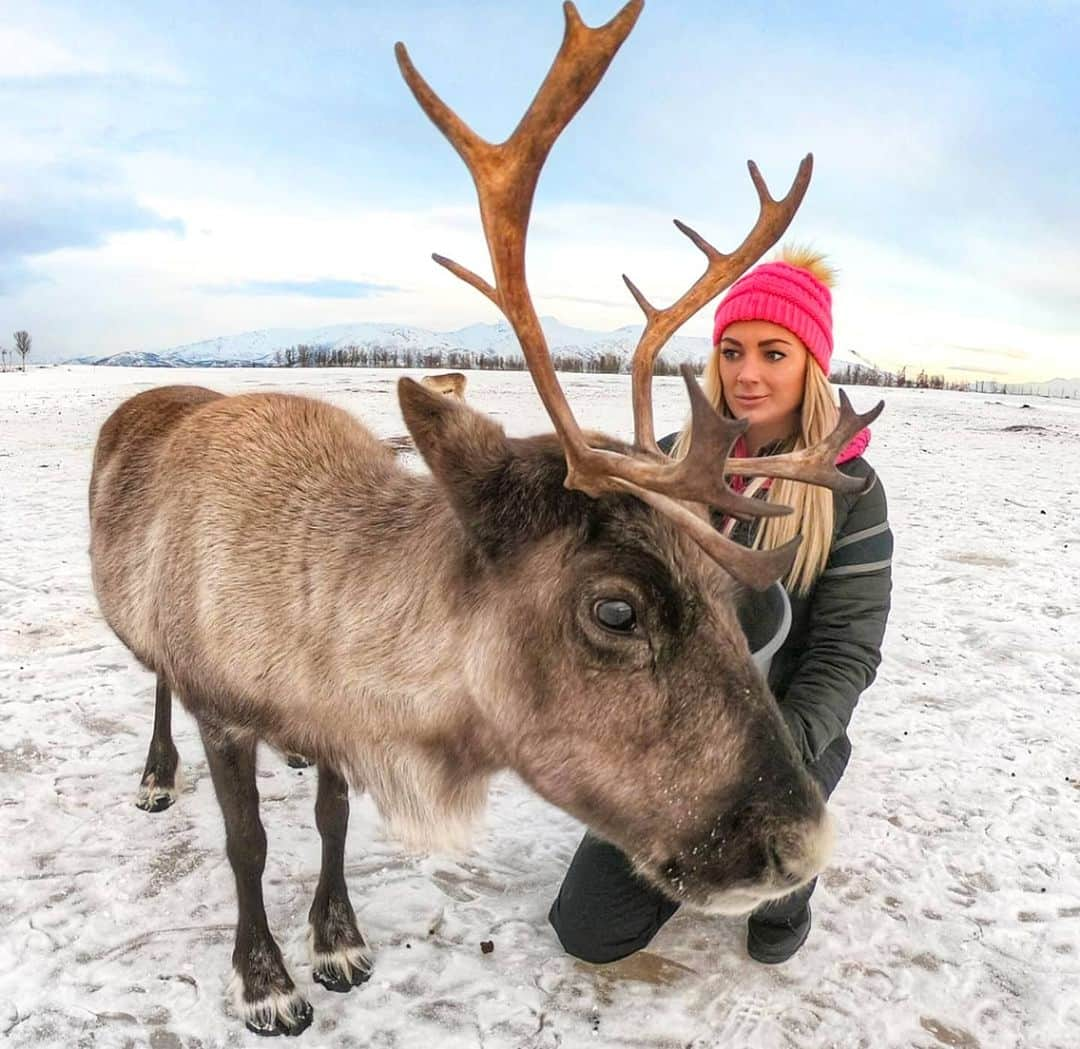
(793, 292)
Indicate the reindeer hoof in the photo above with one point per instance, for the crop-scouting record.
(153, 798)
(269, 1023)
(335, 981)
(298, 761)
(342, 970)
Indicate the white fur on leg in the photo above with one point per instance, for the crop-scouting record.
(290, 1010)
(343, 963)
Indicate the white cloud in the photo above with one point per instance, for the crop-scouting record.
(40, 44)
(30, 54)
(898, 309)
(890, 305)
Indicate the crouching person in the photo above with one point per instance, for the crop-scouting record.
(772, 342)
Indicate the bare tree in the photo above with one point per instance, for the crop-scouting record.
(22, 345)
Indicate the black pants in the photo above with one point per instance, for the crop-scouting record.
(604, 911)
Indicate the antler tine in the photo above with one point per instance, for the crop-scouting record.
(699, 477)
(505, 176)
(774, 216)
(682, 489)
(816, 465)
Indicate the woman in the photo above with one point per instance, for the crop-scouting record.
(772, 340)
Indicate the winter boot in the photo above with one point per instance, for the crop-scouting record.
(773, 939)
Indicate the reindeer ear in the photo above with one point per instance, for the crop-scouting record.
(505, 492)
(465, 449)
(456, 441)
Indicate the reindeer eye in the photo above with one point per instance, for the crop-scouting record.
(615, 615)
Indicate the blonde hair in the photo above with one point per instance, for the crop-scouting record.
(812, 506)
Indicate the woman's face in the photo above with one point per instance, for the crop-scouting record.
(763, 369)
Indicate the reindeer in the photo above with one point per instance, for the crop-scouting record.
(449, 384)
(557, 605)
(452, 384)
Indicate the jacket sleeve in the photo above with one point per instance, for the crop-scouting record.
(846, 623)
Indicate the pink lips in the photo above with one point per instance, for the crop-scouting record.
(750, 400)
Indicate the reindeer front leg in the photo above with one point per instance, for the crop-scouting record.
(340, 959)
(264, 993)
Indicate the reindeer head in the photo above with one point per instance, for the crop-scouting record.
(605, 657)
(604, 649)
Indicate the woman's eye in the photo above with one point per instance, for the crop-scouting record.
(615, 615)
(776, 355)
(729, 355)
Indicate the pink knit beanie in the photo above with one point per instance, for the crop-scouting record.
(786, 295)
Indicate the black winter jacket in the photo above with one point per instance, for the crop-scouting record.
(833, 650)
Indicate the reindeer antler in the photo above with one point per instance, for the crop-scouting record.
(505, 175)
(721, 272)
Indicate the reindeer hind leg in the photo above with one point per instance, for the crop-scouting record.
(157, 791)
(340, 959)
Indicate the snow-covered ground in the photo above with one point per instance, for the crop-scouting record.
(949, 917)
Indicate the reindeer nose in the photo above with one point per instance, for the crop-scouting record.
(801, 852)
(673, 872)
(784, 868)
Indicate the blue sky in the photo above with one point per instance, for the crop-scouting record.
(175, 172)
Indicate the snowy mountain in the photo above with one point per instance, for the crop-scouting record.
(258, 348)
(479, 341)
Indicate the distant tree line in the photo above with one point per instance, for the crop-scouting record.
(866, 375)
(306, 356)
